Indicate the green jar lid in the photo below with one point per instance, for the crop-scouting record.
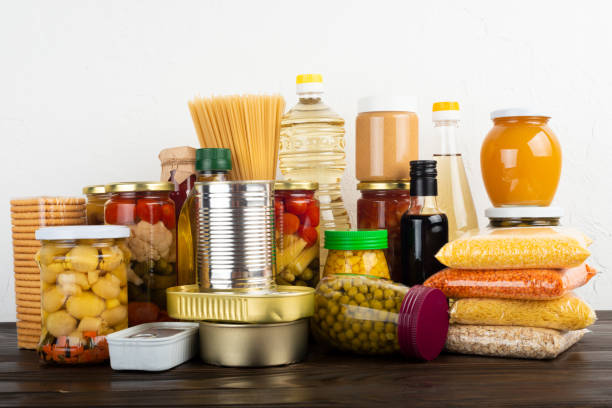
(356, 240)
(213, 159)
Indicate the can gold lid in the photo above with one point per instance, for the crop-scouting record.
(295, 185)
(97, 189)
(129, 186)
(384, 185)
(283, 304)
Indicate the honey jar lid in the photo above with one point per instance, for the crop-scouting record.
(511, 112)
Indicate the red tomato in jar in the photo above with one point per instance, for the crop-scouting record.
(297, 206)
(120, 212)
(310, 235)
(311, 216)
(291, 224)
(278, 213)
(149, 210)
(168, 216)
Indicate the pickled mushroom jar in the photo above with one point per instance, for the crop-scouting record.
(96, 198)
(296, 212)
(146, 208)
(83, 272)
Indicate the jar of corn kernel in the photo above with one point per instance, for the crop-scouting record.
(356, 253)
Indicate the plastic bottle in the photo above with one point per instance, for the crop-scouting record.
(454, 194)
(312, 149)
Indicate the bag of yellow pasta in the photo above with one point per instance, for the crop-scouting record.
(566, 313)
(516, 248)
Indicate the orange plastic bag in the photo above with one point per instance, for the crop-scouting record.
(525, 284)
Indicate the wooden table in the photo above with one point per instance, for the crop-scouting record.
(580, 377)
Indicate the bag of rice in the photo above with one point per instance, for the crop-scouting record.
(527, 284)
(569, 312)
(510, 341)
(516, 248)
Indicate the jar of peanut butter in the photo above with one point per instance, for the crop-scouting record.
(387, 138)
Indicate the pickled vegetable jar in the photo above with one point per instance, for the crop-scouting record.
(96, 198)
(375, 316)
(520, 159)
(381, 206)
(356, 252)
(508, 217)
(149, 212)
(297, 233)
(83, 271)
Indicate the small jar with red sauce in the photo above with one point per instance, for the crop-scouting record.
(147, 209)
(296, 212)
(381, 206)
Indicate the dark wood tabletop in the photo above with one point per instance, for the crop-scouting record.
(580, 377)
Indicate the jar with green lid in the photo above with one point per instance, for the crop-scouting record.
(96, 198)
(510, 217)
(356, 252)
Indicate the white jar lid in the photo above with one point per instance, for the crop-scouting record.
(387, 103)
(509, 112)
(83, 232)
(524, 212)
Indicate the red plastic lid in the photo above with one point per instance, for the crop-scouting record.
(423, 323)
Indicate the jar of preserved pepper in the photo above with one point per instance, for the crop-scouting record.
(381, 206)
(297, 233)
(147, 209)
(375, 316)
(96, 198)
(508, 217)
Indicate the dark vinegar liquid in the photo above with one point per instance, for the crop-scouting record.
(422, 237)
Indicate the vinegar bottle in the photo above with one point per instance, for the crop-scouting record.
(312, 150)
(454, 195)
(424, 227)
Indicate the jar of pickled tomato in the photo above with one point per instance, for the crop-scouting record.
(520, 159)
(381, 206)
(297, 233)
(356, 252)
(146, 208)
(96, 198)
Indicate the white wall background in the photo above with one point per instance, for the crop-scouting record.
(90, 91)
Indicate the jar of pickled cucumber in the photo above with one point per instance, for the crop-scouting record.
(356, 252)
(84, 296)
(375, 316)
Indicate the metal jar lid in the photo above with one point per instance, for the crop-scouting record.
(384, 185)
(295, 185)
(97, 189)
(136, 186)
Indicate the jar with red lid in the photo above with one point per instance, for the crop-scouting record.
(381, 206)
(147, 209)
(297, 233)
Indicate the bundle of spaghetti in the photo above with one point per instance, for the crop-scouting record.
(248, 125)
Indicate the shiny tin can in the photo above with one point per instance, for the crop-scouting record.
(234, 235)
(253, 345)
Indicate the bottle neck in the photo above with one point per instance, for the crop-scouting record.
(212, 175)
(445, 132)
(424, 205)
(310, 97)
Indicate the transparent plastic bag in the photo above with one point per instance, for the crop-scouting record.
(526, 284)
(510, 341)
(516, 248)
(569, 312)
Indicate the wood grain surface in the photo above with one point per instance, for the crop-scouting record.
(580, 377)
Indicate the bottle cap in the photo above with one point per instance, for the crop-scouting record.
(445, 111)
(423, 180)
(387, 103)
(423, 323)
(513, 112)
(309, 83)
(356, 240)
(213, 159)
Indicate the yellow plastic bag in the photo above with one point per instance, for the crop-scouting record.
(516, 248)
(566, 313)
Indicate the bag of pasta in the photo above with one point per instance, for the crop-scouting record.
(569, 312)
(526, 284)
(516, 248)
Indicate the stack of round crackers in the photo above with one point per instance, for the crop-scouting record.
(28, 215)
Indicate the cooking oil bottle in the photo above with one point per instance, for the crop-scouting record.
(312, 149)
(454, 194)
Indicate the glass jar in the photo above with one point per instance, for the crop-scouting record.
(147, 209)
(83, 272)
(387, 137)
(509, 217)
(356, 252)
(96, 197)
(375, 316)
(381, 206)
(520, 159)
(297, 233)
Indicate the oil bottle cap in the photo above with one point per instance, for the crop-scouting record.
(309, 83)
(213, 159)
(445, 111)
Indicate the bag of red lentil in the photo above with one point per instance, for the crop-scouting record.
(525, 284)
